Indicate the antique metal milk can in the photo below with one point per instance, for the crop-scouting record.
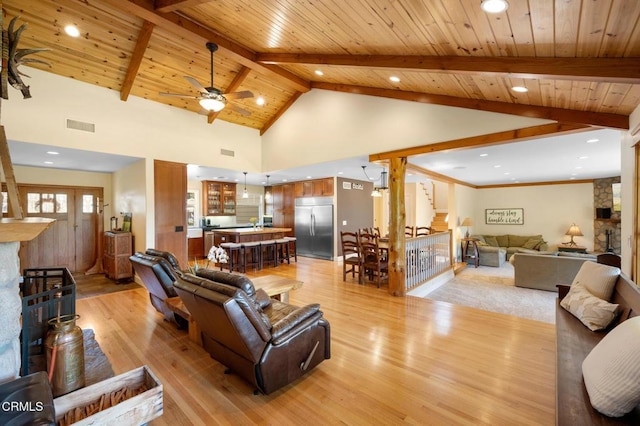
(65, 354)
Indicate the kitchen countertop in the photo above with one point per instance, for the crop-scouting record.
(251, 231)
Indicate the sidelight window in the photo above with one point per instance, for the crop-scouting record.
(87, 203)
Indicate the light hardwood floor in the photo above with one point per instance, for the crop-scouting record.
(394, 361)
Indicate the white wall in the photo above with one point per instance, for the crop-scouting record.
(130, 194)
(548, 210)
(324, 126)
(627, 225)
(138, 127)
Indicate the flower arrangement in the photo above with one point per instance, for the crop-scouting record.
(254, 221)
(215, 255)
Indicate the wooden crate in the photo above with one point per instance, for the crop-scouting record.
(137, 410)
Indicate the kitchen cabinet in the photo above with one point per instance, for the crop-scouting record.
(208, 243)
(195, 247)
(283, 197)
(117, 250)
(314, 188)
(219, 198)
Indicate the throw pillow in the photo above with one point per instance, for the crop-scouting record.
(597, 278)
(532, 243)
(594, 312)
(611, 371)
(518, 240)
(491, 240)
(502, 240)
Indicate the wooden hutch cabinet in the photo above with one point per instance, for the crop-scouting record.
(118, 247)
(219, 198)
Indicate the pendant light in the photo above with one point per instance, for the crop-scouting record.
(245, 194)
(267, 194)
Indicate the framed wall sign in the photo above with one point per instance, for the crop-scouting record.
(504, 216)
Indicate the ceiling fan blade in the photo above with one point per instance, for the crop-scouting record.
(237, 109)
(178, 95)
(239, 95)
(196, 84)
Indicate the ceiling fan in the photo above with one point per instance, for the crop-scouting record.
(211, 98)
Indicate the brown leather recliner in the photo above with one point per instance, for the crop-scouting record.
(268, 343)
(158, 277)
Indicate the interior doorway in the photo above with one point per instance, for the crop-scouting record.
(71, 241)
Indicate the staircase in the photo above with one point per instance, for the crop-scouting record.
(438, 223)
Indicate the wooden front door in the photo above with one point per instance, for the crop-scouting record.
(170, 191)
(71, 241)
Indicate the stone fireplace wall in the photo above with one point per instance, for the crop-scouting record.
(603, 197)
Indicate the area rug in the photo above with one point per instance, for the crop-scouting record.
(492, 289)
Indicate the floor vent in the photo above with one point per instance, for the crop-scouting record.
(81, 125)
(227, 152)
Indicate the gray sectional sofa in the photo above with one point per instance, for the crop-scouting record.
(495, 249)
(544, 272)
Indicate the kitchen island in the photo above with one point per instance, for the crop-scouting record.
(244, 235)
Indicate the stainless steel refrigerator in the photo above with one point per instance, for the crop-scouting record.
(314, 227)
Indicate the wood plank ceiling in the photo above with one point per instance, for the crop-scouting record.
(580, 59)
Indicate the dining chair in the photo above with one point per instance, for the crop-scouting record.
(351, 259)
(408, 231)
(374, 264)
(423, 230)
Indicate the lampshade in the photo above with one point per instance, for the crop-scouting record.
(467, 222)
(574, 231)
(214, 105)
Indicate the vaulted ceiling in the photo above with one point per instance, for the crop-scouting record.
(579, 59)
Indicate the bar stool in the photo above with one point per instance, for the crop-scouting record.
(282, 248)
(254, 249)
(293, 242)
(270, 254)
(234, 252)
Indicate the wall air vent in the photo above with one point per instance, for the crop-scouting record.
(81, 125)
(227, 152)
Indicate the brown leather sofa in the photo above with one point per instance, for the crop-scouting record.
(268, 343)
(158, 276)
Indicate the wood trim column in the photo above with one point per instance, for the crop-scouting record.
(397, 261)
(635, 249)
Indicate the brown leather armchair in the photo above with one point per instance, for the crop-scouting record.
(268, 343)
(158, 276)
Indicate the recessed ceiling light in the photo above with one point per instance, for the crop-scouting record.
(484, 155)
(72, 31)
(340, 173)
(260, 100)
(593, 140)
(394, 79)
(308, 177)
(53, 153)
(584, 157)
(48, 162)
(494, 6)
(507, 173)
(520, 89)
(497, 166)
(285, 180)
(319, 72)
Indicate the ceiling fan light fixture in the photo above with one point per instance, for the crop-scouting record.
(213, 104)
(494, 6)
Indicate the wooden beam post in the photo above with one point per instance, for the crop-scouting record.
(397, 260)
(7, 168)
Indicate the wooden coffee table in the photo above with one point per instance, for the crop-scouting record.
(276, 286)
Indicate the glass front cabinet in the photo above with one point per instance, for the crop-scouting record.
(219, 198)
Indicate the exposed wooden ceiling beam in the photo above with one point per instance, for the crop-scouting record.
(615, 121)
(615, 70)
(436, 176)
(136, 59)
(171, 5)
(281, 111)
(184, 27)
(555, 182)
(498, 138)
(235, 84)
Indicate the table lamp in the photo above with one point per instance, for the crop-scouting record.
(573, 231)
(467, 222)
